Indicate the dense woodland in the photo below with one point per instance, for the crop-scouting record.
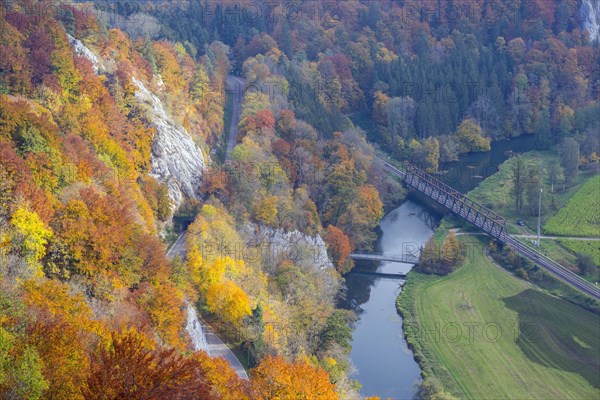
(426, 72)
(89, 300)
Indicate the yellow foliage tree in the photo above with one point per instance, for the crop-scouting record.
(229, 301)
(164, 305)
(32, 233)
(265, 211)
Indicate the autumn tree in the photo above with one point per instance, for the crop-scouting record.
(276, 378)
(362, 215)
(452, 253)
(286, 123)
(129, 366)
(380, 110)
(339, 248)
(20, 369)
(471, 138)
(430, 259)
(164, 305)
(425, 154)
(265, 211)
(32, 235)
(63, 332)
(228, 301)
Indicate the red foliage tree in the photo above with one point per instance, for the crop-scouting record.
(264, 119)
(339, 247)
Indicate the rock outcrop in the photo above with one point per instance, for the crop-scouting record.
(307, 251)
(175, 158)
(194, 329)
(84, 51)
(590, 14)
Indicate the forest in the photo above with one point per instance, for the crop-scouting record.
(95, 95)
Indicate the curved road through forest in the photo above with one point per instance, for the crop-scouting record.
(216, 347)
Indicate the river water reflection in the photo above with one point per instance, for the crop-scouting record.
(384, 365)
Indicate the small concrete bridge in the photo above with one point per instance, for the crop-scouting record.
(409, 258)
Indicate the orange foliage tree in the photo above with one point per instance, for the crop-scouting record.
(63, 332)
(128, 367)
(275, 378)
(339, 247)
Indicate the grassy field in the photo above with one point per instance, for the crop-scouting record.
(580, 217)
(572, 212)
(486, 334)
(580, 246)
(495, 191)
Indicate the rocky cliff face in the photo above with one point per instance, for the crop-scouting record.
(84, 51)
(307, 251)
(590, 14)
(194, 329)
(175, 158)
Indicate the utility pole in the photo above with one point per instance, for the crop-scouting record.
(539, 216)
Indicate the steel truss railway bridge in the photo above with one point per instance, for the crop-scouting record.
(480, 216)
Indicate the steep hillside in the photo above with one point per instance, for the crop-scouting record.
(102, 139)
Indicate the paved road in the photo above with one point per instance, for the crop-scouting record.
(235, 86)
(216, 347)
(178, 248)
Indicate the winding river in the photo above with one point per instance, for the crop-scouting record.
(382, 361)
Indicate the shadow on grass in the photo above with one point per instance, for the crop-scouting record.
(558, 334)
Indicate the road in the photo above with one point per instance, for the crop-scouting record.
(235, 86)
(178, 248)
(216, 347)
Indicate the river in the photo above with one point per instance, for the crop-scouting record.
(384, 364)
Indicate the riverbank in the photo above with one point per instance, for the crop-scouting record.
(382, 361)
(483, 333)
(556, 363)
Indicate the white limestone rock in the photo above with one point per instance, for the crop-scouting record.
(84, 51)
(590, 14)
(306, 251)
(194, 330)
(175, 158)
